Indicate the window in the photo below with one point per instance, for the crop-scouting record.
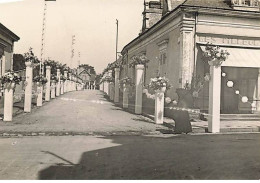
(251, 3)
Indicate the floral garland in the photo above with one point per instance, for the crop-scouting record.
(40, 79)
(138, 60)
(159, 83)
(11, 77)
(214, 55)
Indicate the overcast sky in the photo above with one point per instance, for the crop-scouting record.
(92, 21)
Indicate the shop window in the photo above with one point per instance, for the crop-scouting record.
(246, 3)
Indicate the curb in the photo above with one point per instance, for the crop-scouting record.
(197, 129)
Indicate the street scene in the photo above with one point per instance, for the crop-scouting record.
(130, 90)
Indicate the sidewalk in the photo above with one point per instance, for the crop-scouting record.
(199, 126)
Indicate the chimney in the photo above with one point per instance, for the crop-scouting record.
(152, 13)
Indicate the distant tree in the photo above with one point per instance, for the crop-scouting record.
(19, 62)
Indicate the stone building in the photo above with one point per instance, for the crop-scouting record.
(7, 39)
(173, 37)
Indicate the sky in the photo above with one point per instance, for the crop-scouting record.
(93, 22)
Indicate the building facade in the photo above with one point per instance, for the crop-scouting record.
(7, 39)
(175, 38)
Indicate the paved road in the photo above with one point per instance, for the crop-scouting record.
(81, 111)
(131, 157)
(149, 155)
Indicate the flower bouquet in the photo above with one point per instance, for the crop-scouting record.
(213, 55)
(10, 79)
(159, 84)
(30, 57)
(54, 79)
(138, 60)
(40, 79)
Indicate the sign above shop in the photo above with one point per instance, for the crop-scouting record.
(228, 41)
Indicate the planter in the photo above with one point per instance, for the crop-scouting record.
(9, 86)
(163, 89)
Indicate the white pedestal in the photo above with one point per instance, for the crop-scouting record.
(116, 97)
(139, 74)
(58, 83)
(258, 93)
(28, 88)
(39, 96)
(214, 99)
(52, 90)
(125, 96)
(159, 107)
(62, 88)
(48, 84)
(8, 105)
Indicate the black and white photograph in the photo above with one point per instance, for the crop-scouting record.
(130, 90)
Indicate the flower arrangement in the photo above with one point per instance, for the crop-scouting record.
(30, 57)
(109, 79)
(215, 55)
(159, 84)
(63, 78)
(138, 60)
(10, 79)
(40, 79)
(54, 78)
(127, 81)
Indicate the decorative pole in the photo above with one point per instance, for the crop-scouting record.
(214, 98)
(125, 95)
(66, 81)
(52, 89)
(139, 73)
(8, 101)
(159, 106)
(48, 84)
(58, 84)
(39, 94)
(116, 98)
(28, 87)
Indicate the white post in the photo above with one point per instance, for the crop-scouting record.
(159, 107)
(39, 95)
(28, 88)
(214, 99)
(66, 81)
(111, 86)
(58, 83)
(139, 74)
(116, 98)
(70, 82)
(62, 88)
(258, 92)
(8, 103)
(48, 84)
(52, 89)
(125, 96)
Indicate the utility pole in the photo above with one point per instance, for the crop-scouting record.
(72, 49)
(116, 37)
(43, 34)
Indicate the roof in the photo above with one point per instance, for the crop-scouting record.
(213, 4)
(12, 35)
(84, 71)
(225, 4)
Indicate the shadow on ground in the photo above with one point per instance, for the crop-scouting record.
(149, 158)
